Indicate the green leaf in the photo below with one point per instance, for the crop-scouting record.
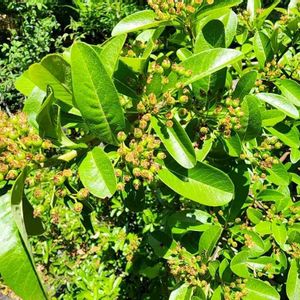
(53, 71)
(220, 5)
(252, 6)
(24, 84)
(110, 53)
(293, 281)
(188, 220)
(233, 145)
(214, 33)
(291, 90)
(138, 21)
(23, 211)
(95, 94)
(280, 102)
(97, 173)
(288, 135)
(205, 63)
(203, 184)
(245, 85)
(251, 120)
(278, 175)
(32, 105)
(209, 240)
(262, 48)
(16, 265)
(162, 243)
(280, 234)
(206, 147)
(230, 21)
(176, 141)
(49, 124)
(238, 264)
(272, 117)
(136, 64)
(260, 290)
(254, 215)
(184, 292)
(295, 155)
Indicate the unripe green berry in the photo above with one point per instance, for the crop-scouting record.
(83, 194)
(58, 180)
(166, 64)
(138, 133)
(183, 99)
(118, 172)
(78, 207)
(121, 136)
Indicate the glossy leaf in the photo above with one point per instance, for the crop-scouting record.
(289, 136)
(97, 174)
(272, 117)
(95, 94)
(291, 90)
(251, 120)
(24, 84)
(252, 6)
(16, 266)
(110, 53)
(281, 103)
(209, 240)
(216, 6)
(260, 290)
(205, 63)
(53, 71)
(245, 85)
(203, 184)
(280, 234)
(184, 292)
(230, 21)
(140, 20)
(262, 48)
(176, 141)
(278, 174)
(238, 264)
(293, 281)
(33, 105)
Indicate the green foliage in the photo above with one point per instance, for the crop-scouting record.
(168, 158)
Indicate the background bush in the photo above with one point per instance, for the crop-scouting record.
(31, 29)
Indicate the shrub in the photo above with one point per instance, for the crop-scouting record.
(173, 173)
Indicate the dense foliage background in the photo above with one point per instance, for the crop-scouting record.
(161, 163)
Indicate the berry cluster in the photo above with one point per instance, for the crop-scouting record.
(20, 146)
(272, 71)
(187, 267)
(262, 155)
(231, 119)
(139, 158)
(236, 290)
(171, 9)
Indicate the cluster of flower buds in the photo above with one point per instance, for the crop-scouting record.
(134, 50)
(20, 145)
(235, 290)
(161, 70)
(295, 250)
(231, 119)
(140, 157)
(170, 9)
(272, 71)
(262, 155)
(185, 266)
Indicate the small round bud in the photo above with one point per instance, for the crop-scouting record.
(121, 136)
(83, 194)
(78, 207)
